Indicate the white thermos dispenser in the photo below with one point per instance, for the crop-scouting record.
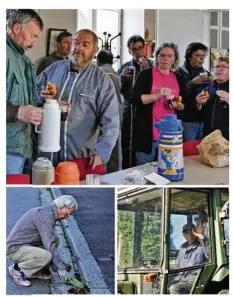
(49, 133)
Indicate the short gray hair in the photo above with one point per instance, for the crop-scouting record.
(66, 201)
(24, 16)
(169, 45)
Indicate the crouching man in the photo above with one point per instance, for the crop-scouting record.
(32, 243)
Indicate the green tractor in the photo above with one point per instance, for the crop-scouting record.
(173, 240)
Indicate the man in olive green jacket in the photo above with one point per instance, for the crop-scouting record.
(24, 28)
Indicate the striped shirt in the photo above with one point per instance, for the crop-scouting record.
(36, 228)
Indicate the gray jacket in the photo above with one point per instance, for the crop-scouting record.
(93, 103)
(107, 68)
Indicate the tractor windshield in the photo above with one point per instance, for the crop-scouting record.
(140, 230)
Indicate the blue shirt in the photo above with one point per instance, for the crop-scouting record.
(189, 256)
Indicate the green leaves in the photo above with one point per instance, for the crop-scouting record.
(76, 283)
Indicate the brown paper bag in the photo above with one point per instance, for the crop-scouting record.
(214, 150)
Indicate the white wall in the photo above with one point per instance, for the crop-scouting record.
(179, 26)
(52, 18)
(183, 26)
(132, 23)
(150, 23)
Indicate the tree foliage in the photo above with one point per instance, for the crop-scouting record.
(139, 235)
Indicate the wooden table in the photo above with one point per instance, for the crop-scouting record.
(195, 173)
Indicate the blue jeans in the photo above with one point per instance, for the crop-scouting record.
(192, 131)
(14, 164)
(143, 158)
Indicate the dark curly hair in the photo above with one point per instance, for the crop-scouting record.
(193, 47)
(169, 45)
(134, 39)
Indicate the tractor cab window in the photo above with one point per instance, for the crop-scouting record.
(140, 231)
(189, 238)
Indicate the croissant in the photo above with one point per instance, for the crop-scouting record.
(52, 89)
(178, 100)
(205, 93)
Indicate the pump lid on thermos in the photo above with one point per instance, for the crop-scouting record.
(170, 123)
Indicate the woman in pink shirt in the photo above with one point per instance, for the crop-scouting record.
(152, 89)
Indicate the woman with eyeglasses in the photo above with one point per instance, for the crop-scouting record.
(195, 78)
(152, 93)
(214, 105)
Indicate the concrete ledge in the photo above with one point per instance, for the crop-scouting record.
(92, 273)
(76, 238)
(87, 266)
(57, 286)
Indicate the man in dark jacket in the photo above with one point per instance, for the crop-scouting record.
(64, 43)
(23, 30)
(128, 72)
(195, 78)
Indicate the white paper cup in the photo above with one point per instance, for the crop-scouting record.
(203, 74)
(64, 112)
(93, 179)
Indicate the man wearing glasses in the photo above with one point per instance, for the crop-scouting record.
(32, 244)
(195, 79)
(191, 253)
(128, 72)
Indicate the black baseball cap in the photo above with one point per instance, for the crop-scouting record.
(188, 226)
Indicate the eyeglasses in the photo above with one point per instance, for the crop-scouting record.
(221, 67)
(135, 50)
(169, 56)
(200, 56)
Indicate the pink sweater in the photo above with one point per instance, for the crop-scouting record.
(160, 106)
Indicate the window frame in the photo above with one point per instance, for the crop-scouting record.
(219, 28)
(146, 269)
(117, 64)
(205, 268)
(208, 202)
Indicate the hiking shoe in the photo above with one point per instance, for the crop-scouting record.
(41, 274)
(19, 277)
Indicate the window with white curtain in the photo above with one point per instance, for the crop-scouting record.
(109, 20)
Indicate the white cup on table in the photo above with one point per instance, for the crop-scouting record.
(93, 179)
